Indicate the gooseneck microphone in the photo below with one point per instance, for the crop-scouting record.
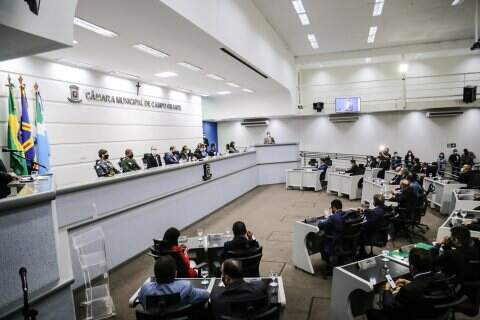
(23, 276)
(28, 314)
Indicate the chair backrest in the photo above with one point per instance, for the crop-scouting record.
(161, 304)
(258, 309)
(250, 260)
(346, 246)
(145, 315)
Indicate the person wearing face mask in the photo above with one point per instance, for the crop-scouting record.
(171, 157)
(185, 154)
(454, 161)
(103, 167)
(128, 163)
(152, 159)
(268, 139)
(235, 289)
(409, 159)
(396, 161)
(213, 150)
(441, 164)
(200, 152)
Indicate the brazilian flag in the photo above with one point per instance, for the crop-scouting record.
(18, 164)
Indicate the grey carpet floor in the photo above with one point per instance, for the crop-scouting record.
(268, 211)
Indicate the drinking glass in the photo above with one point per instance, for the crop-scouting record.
(227, 234)
(204, 274)
(385, 255)
(273, 276)
(463, 213)
(200, 234)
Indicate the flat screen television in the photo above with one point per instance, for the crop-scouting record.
(351, 104)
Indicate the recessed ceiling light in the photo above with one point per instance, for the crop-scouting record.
(75, 42)
(94, 28)
(166, 74)
(403, 67)
(162, 84)
(214, 76)
(150, 50)
(368, 60)
(204, 95)
(124, 74)
(185, 90)
(223, 92)
(457, 2)
(313, 40)
(371, 34)
(231, 84)
(75, 63)
(298, 6)
(304, 19)
(189, 66)
(247, 90)
(378, 7)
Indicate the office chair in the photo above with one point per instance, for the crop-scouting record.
(471, 289)
(345, 248)
(252, 310)
(163, 248)
(164, 307)
(379, 238)
(250, 261)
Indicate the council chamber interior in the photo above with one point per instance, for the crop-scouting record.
(239, 159)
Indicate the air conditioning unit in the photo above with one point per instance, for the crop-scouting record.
(343, 118)
(444, 113)
(257, 122)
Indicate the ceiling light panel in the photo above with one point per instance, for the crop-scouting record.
(247, 90)
(371, 34)
(231, 84)
(151, 51)
(166, 74)
(304, 19)
(189, 66)
(124, 74)
(93, 27)
(215, 77)
(298, 6)
(224, 92)
(378, 8)
(313, 40)
(75, 63)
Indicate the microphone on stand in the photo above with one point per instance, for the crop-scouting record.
(23, 277)
(28, 314)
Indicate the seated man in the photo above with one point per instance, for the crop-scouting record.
(402, 174)
(235, 289)
(458, 250)
(165, 273)
(415, 185)
(332, 228)
(128, 163)
(396, 161)
(200, 152)
(103, 167)
(407, 301)
(373, 218)
(406, 196)
(242, 239)
(353, 169)
(170, 157)
(152, 159)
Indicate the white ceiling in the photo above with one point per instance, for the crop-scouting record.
(152, 23)
(343, 25)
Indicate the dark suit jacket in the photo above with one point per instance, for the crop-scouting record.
(333, 227)
(151, 161)
(372, 218)
(240, 243)
(406, 198)
(222, 297)
(409, 303)
(456, 262)
(5, 179)
(170, 158)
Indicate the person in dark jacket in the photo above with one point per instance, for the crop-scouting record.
(170, 156)
(402, 174)
(408, 300)
(213, 150)
(373, 221)
(128, 163)
(455, 162)
(243, 239)
(103, 167)
(322, 167)
(152, 159)
(416, 166)
(200, 152)
(371, 162)
(236, 290)
(415, 185)
(354, 170)
(396, 161)
(468, 157)
(409, 159)
(406, 196)
(5, 179)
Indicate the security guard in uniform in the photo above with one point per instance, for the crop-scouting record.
(128, 163)
(103, 167)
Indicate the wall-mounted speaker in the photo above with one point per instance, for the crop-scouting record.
(318, 106)
(469, 94)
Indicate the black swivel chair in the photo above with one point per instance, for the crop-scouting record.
(253, 310)
(163, 307)
(250, 260)
(443, 295)
(345, 248)
(379, 237)
(471, 307)
(163, 248)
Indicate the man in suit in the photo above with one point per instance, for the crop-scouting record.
(373, 220)
(402, 174)
(103, 167)
(170, 157)
(458, 250)
(396, 161)
(165, 273)
(322, 167)
(415, 185)
(5, 179)
(152, 159)
(128, 163)
(243, 240)
(235, 289)
(407, 301)
(354, 170)
(468, 157)
(454, 160)
(406, 196)
(268, 139)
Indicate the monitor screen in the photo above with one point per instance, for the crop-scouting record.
(351, 104)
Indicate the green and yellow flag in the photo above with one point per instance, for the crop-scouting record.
(18, 164)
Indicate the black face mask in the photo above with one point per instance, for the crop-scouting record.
(105, 157)
(130, 156)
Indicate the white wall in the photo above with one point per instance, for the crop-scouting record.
(399, 130)
(240, 26)
(77, 131)
(430, 83)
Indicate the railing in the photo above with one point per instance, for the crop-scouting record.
(307, 155)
